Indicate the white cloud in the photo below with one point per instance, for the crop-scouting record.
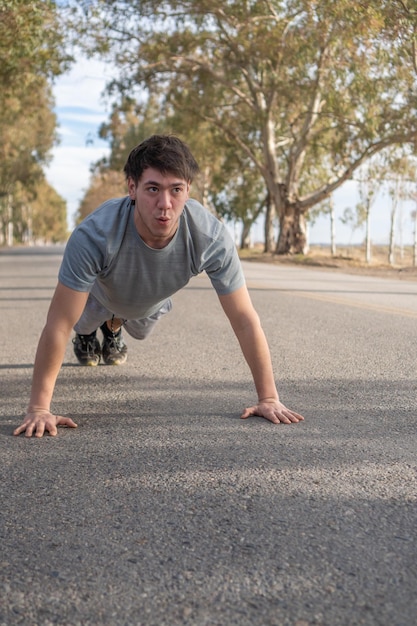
(69, 173)
(83, 85)
(81, 117)
(80, 110)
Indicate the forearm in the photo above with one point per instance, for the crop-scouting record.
(48, 361)
(255, 349)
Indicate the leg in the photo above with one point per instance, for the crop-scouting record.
(93, 316)
(140, 329)
(113, 348)
(87, 347)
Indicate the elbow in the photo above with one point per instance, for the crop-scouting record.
(247, 324)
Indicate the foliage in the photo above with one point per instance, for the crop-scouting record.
(38, 215)
(104, 185)
(31, 44)
(31, 55)
(27, 128)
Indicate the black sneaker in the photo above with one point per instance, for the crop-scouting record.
(87, 349)
(114, 349)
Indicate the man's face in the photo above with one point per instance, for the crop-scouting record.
(159, 202)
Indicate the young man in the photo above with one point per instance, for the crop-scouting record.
(122, 264)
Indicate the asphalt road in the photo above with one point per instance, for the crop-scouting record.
(164, 508)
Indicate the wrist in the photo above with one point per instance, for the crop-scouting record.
(269, 399)
(33, 408)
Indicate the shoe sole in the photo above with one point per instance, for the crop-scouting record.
(116, 362)
(90, 363)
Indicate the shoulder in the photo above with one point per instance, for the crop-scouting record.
(96, 240)
(106, 215)
(105, 227)
(200, 221)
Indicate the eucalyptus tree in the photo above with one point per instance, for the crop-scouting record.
(306, 90)
(31, 55)
(367, 195)
(370, 181)
(48, 212)
(402, 173)
(241, 198)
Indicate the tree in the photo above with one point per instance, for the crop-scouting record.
(104, 184)
(39, 214)
(27, 134)
(31, 55)
(31, 43)
(49, 215)
(327, 207)
(307, 91)
(414, 216)
(371, 179)
(402, 169)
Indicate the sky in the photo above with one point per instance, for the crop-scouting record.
(81, 109)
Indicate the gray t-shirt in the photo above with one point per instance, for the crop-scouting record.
(106, 255)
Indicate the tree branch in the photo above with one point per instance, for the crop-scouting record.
(326, 190)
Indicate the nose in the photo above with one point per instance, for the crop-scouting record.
(164, 199)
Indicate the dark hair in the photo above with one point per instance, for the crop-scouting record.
(165, 153)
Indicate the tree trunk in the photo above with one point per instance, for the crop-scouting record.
(415, 240)
(391, 252)
(245, 238)
(269, 239)
(332, 228)
(292, 237)
(9, 224)
(368, 232)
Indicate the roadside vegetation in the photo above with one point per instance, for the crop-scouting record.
(349, 259)
(32, 54)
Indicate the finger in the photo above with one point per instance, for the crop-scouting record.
(299, 418)
(270, 415)
(66, 421)
(248, 412)
(29, 430)
(273, 418)
(40, 429)
(282, 418)
(285, 416)
(19, 430)
(290, 418)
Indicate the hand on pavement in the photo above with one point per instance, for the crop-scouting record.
(39, 421)
(274, 411)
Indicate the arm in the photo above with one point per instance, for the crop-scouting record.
(248, 330)
(65, 310)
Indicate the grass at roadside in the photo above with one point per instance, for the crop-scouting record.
(347, 258)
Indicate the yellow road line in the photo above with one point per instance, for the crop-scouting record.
(344, 301)
(360, 305)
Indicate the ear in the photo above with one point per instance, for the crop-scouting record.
(131, 186)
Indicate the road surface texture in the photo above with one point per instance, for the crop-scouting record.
(164, 508)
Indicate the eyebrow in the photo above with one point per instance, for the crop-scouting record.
(180, 183)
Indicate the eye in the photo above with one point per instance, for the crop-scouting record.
(152, 189)
(178, 190)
